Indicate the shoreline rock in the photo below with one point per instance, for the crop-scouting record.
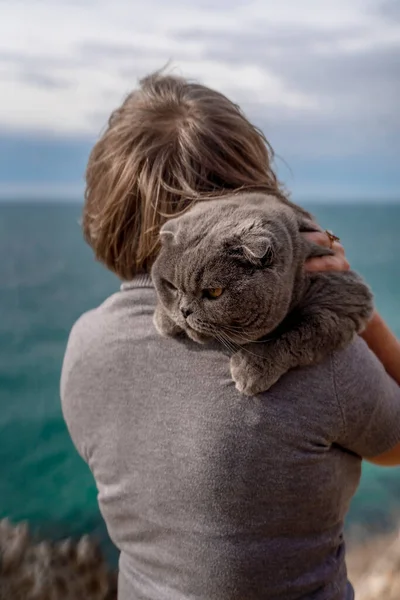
(65, 570)
(374, 568)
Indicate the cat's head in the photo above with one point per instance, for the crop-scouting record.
(226, 269)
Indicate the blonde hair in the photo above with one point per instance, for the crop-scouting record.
(170, 144)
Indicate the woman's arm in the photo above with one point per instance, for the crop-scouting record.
(384, 345)
(386, 348)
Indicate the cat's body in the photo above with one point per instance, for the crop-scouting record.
(233, 269)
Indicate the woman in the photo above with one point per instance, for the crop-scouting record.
(209, 495)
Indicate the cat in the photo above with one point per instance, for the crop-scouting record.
(233, 269)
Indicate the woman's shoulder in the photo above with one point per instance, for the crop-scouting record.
(113, 316)
(97, 336)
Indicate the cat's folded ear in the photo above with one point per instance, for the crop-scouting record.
(257, 251)
(252, 244)
(168, 232)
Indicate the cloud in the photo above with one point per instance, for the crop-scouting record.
(41, 80)
(390, 9)
(73, 60)
(321, 78)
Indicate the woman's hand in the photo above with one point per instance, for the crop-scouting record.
(380, 339)
(338, 262)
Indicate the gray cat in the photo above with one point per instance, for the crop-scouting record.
(233, 270)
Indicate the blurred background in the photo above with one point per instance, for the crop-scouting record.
(320, 77)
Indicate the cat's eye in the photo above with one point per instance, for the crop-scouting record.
(170, 286)
(268, 258)
(213, 292)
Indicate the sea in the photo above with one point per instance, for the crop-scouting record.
(48, 278)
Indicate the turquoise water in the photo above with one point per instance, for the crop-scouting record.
(47, 279)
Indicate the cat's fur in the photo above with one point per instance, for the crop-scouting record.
(272, 314)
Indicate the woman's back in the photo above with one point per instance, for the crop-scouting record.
(208, 494)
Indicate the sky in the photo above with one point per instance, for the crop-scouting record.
(320, 77)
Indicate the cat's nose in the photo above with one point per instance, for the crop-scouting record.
(186, 311)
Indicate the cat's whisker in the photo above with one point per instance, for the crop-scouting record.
(233, 347)
(223, 342)
(223, 334)
(228, 344)
(218, 335)
(243, 337)
(244, 349)
(235, 327)
(238, 329)
(238, 336)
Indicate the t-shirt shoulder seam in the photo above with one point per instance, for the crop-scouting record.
(336, 395)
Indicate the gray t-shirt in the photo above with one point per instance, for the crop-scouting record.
(210, 495)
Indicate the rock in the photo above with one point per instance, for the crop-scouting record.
(66, 570)
(374, 569)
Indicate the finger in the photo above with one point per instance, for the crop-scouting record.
(327, 263)
(322, 239)
(318, 237)
(338, 248)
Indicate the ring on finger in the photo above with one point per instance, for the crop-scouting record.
(332, 238)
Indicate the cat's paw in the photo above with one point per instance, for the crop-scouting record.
(164, 324)
(253, 374)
